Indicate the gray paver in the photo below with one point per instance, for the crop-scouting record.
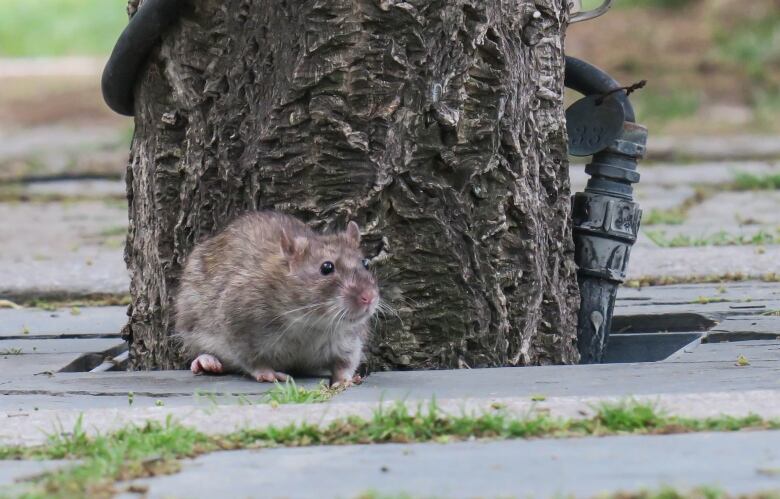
(755, 238)
(702, 262)
(78, 188)
(760, 324)
(690, 293)
(70, 345)
(68, 402)
(25, 365)
(14, 471)
(149, 383)
(745, 208)
(623, 380)
(581, 467)
(675, 174)
(62, 249)
(62, 149)
(717, 148)
(753, 351)
(62, 323)
(662, 197)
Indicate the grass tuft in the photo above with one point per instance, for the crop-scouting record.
(697, 493)
(673, 216)
(290, 393)
(720, 238)
(749, 182)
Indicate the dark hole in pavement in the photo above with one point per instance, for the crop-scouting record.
(726, 336)
(653, 337)
(88, 361)
(659, 323)
(647, 347)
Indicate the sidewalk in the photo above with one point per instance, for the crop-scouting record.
(703, 378)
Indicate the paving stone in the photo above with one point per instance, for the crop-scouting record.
(583, 467)
(62, 249)
(94, 188)
(655, 197)
(699, 233)
(715, 317)
(32, 365)
(143, 383)
(649, 262)
(12, 472)
(601, 380)
(37, 346)
(753, 351)
(691, 293)
(744, 208)
(63, 150)
(751, 324)
(60, 403)
(671, 174)
(716, 148)
(62, 323)
(681, 174)
(597, 380)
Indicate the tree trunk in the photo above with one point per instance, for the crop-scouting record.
(436, 125)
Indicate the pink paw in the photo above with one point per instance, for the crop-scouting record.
(206, 363)
(346, 382)
(269, 375)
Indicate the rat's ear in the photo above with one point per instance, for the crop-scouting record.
(353, 233)
(292, 246)
(287, 243)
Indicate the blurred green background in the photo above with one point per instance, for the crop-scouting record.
(713, 66)
(32, 28)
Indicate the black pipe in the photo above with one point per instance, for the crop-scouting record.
(587, 79)
(605, 217)
(131, 51)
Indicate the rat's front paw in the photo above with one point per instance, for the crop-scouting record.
(345, 382)
(269, 375)
(206, 363)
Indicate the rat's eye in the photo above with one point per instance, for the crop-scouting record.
(365, 263)
(327, 268)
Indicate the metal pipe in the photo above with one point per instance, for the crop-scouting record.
(605, 217)
(587, 79)
(591, 14)
(109, 364)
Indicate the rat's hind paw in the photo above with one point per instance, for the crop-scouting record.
(269, 375)
(206, 363)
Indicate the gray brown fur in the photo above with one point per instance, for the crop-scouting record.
(254, 297)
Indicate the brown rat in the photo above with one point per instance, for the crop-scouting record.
(268, 295)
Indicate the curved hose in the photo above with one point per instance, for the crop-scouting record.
(132, 49)
(587, 79)
(151, 20)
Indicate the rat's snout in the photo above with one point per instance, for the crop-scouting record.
(367, 297)
(362, 299)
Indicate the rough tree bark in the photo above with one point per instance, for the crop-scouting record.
(437, 125)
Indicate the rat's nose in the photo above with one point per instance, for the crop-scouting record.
(367, 297)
